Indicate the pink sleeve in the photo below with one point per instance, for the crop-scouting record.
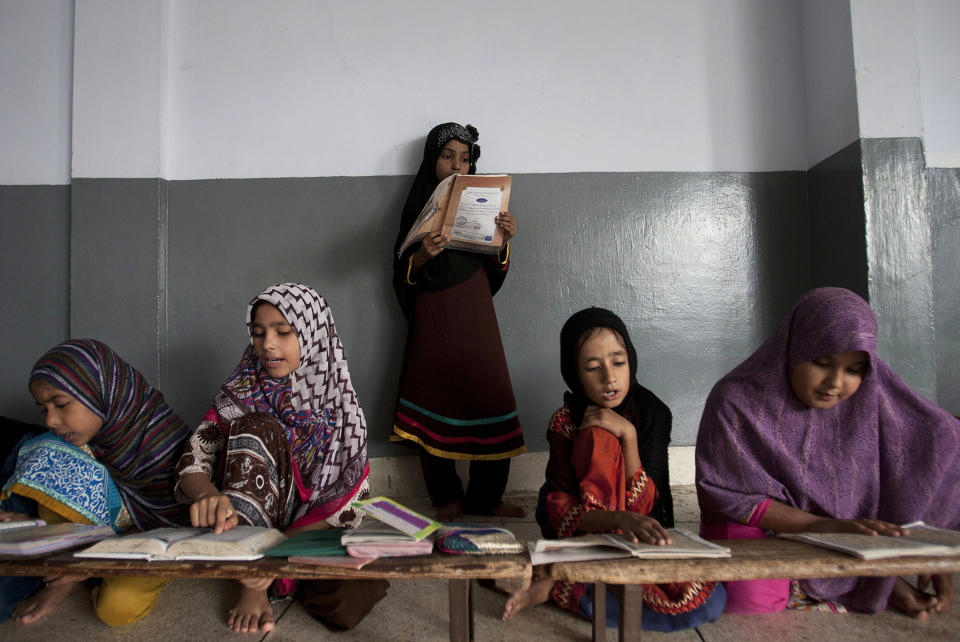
(758, 512)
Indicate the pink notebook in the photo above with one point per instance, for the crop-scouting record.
(390, 549)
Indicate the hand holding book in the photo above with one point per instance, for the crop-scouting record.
(466, 212)
(507, 224)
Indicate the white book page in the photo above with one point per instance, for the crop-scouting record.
(476, 218)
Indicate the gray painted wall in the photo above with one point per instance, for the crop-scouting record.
(943, 198)
(116, 232)
(838, 242)
(871, 225)
(701, 266)
(34, 287)
(899, 256)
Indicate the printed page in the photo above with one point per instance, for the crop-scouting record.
(682, 544)
(932, 535)
(870, 546)
(476, 214)
(238, 543)
(141, 545)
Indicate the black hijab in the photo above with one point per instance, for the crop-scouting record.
(650, 416)
(450, 267)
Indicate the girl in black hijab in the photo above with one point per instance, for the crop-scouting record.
(607, 472)
(650, 416)
(455, 400)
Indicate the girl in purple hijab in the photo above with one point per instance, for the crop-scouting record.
(814, 433)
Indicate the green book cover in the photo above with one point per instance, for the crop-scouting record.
(325, 542)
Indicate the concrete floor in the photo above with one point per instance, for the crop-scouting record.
(416, 610)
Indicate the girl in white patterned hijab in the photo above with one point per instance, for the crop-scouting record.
(284, 442)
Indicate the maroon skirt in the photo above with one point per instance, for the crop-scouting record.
(456, 399)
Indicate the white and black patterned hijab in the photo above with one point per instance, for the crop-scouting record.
(316, 402)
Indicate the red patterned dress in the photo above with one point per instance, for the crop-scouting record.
(586, 472)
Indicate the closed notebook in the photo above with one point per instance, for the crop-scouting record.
(335, 561)
(376, 539)
(240, 543)
(403, 519)
(323, 542)
(38, 540)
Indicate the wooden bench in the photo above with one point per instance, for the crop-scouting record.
(458, 570)
(750, 559)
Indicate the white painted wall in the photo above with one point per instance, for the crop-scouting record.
(887, 72)
(307, 88)
(830, 87)
(119, 95)
(938, 53)
(245, 88)
(36, 55)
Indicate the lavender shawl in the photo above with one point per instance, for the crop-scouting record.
(884, 453)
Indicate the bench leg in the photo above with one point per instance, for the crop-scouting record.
(631, 611)
(461, 611)
(599, 612)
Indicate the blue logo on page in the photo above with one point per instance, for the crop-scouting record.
(481, 200)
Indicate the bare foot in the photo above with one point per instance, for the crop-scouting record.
(44, 601)
(910, 601)
(508, 510)
(252, 612)
(450, 512)
(538, 593)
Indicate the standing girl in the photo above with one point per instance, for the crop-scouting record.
(815, 433)
(456, 400)
(109, 459)
(607, 472)
(284, 445)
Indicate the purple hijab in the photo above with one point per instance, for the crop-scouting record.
(884, 453)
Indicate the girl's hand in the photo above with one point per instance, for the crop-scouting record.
(609, 420)
(641, 528)
(7, 516)
(858, 526)
(432, 245)
(508, 224)
(214, 511)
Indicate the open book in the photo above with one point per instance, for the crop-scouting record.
(684, 544)
(923, 540)
(240, 543)
(465, 208)
(37, 540)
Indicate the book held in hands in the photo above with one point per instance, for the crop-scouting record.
(465, 208)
